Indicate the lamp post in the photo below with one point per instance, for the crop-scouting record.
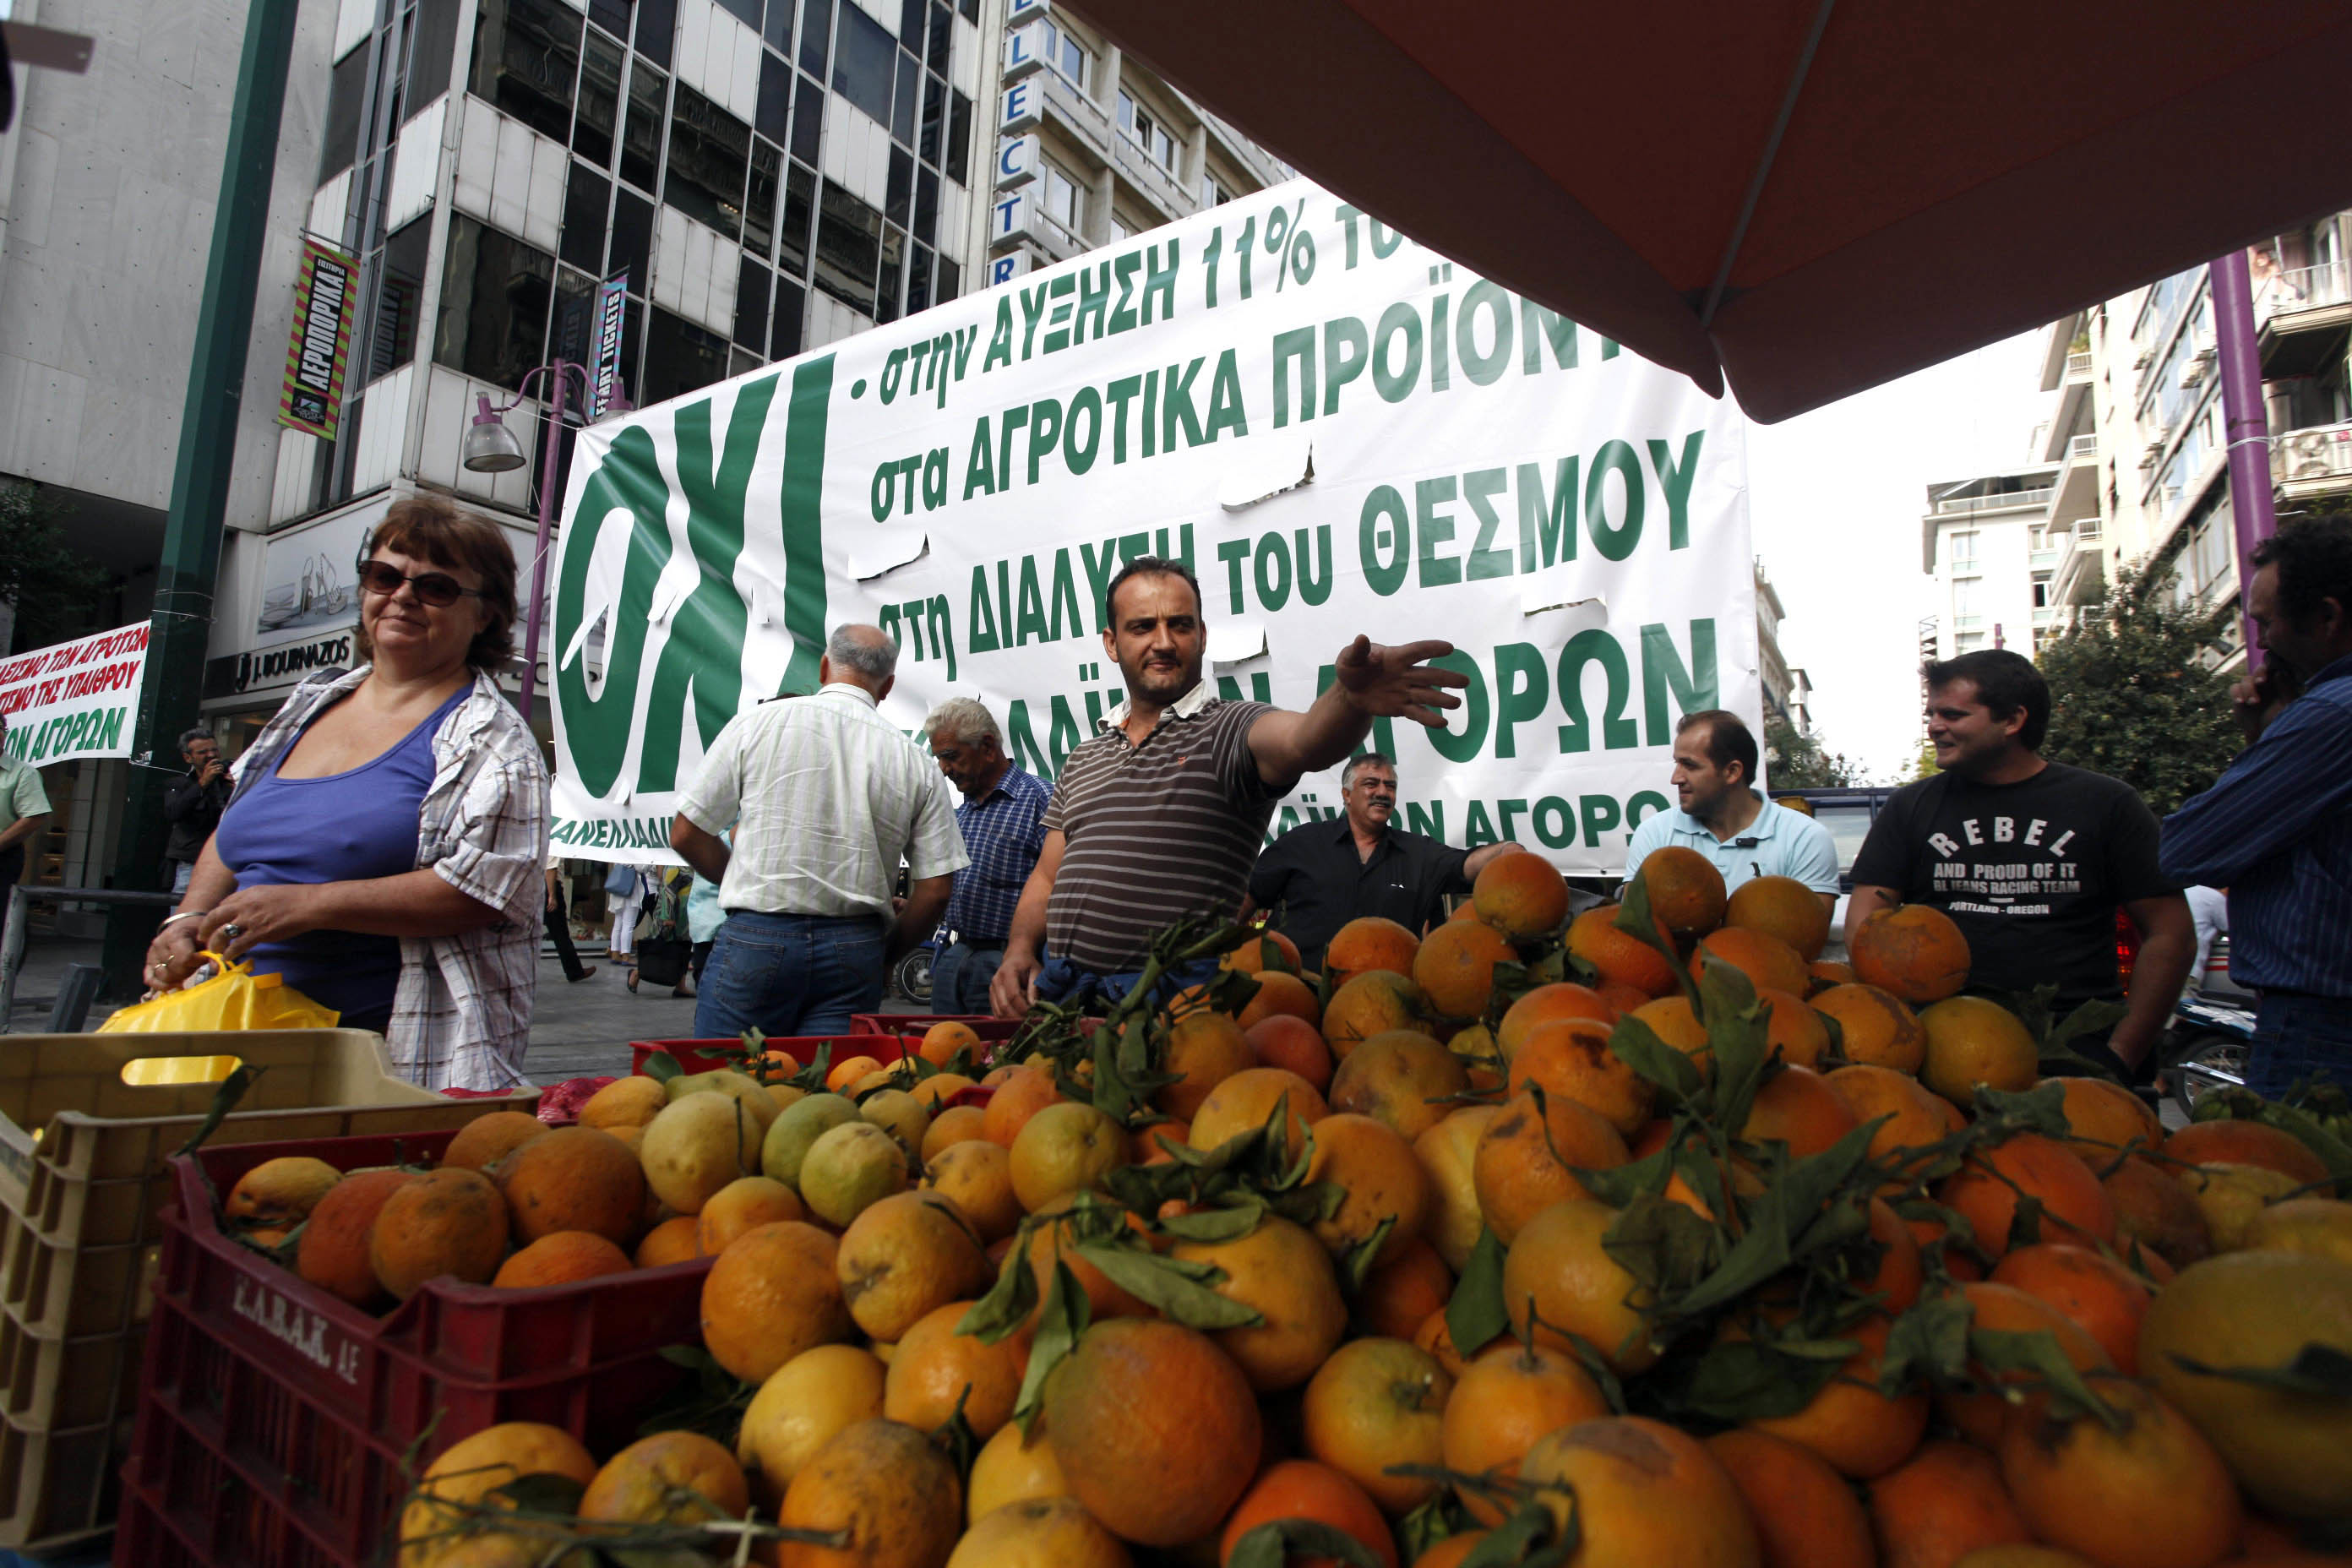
(492, 448)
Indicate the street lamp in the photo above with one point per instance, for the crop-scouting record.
(492, 448)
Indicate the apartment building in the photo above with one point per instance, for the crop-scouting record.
(1788, 693)
(1092, 147)
(2139, 411)
(1982, 541)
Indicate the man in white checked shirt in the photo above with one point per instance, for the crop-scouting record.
(826, 797)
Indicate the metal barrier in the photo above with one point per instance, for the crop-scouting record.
(12, 929)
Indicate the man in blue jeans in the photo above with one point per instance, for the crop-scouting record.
(2277, 829)
(1003, 818)
(826, 797)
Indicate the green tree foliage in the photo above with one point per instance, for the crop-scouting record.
(55, 589)
(2131, 695)
(1799, 762)
(1924, 768)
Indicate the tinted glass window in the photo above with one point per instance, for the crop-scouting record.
(808, 122)
(800, 208)
(585, 197)
(657, 30)
(970, 9)
(902, 105)
(641, 133)
(709, 152)
(432, 50)
(933, 131)
(958, 163)
(745, 11)
(918, 281)
(894, 265)
(751, 304)
(613, 15)
(679, 357)
(900, 192)
(759, 198)
(773, 116)
(910, 24)
(400, 294)
(573, 336)
(632, 240)
(865, 63)
(598, 112)
(527, 61)
(495, 295)
(949, 282)
(779, 30)
(346, 92)
(848, 247)
(942, 36)
(927, 207)
(817, 36)
(785, 321)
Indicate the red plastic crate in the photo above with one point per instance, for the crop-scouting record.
(701, 1055)
(257, 1385)
(989, 1029)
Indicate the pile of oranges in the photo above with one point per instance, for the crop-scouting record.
(1639, 1239)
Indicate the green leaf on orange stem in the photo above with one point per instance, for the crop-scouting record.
(1475, 1315)
(1060, 1326)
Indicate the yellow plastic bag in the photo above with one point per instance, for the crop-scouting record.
(233, 998)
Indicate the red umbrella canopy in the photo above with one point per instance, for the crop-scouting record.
(1800, 199)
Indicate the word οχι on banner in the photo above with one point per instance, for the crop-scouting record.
(1337, 430)
(78, 699)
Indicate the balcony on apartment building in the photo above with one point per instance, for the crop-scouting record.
(2303, 318)
(2311, 462)
(2082, 574)
(2075, 498)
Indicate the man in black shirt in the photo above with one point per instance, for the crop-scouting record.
(2030, 858)
(193, 803)
(1320, 876)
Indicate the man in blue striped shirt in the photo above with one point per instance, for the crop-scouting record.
(2277, 829)
(1002, 817)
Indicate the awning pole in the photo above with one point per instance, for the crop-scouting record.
(2246, 426)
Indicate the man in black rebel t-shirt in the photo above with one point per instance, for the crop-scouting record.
(2030, 858)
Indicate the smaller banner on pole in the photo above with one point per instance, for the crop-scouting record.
(313, 397)
(612, 307)
(74, 699)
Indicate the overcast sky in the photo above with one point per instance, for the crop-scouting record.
(1835, 497)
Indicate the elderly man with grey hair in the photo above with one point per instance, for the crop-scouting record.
(826, 797)
(1003, 821)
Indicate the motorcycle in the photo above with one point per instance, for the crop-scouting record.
(911, 975)
(2206, 1049)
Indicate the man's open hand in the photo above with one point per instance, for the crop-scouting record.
(1399, 682)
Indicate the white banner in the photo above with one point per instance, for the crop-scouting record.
(1341, 432)
(78, 699)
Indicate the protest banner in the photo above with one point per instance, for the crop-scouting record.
(1338, 430)
(74, 699)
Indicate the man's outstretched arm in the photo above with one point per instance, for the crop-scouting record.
(1372, 682)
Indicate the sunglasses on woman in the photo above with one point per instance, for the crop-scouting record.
(438, 589)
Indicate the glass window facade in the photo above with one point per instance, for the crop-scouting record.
(597, 77)
(527, 61)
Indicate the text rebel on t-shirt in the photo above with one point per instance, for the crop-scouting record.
(2031, 872)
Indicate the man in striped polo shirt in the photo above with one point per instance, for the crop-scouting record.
(1161, 815)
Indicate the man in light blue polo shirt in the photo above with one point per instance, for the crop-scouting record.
(1724, 818)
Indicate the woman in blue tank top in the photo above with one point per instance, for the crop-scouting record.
(383, 848)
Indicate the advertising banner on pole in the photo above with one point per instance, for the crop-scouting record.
(313, 395)
(1338, 430)
(74, 699)
(612, 309)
